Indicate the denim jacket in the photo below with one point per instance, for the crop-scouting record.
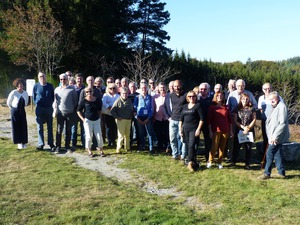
(143, 106)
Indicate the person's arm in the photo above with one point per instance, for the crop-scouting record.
(200, 124)
(80, 114)
(26, 98)
(251, 125)
(114, 110)
(235, 120)
(75, 99)
(150, 108)
(54, 105)
(9, 99)
(80, 110)
(180, 128)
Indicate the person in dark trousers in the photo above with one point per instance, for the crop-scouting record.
(190, 125)
(205, 101)
(277, 128)
(16, 101)
(43, 97)
(64, 105)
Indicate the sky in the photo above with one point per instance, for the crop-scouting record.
(234, 30)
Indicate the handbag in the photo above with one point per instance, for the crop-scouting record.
(105, 111)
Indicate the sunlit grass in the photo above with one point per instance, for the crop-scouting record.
(39, 188)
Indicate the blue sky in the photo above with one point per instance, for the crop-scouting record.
(235, 30)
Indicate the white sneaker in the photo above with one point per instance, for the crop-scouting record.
(208, 165)
(220, 166)
(20, 146)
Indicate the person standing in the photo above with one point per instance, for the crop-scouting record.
(89, 110)
(218, 88)
(178, 99)
(205, 101)
(122, 111)
(134, 132)
(143, 106)
(231, 87)
(277, 128)
(152, 87)
(99, 83)
(244, 119)
(108, 100)
(43, 97)
(102, 88)
(79, 86)
(16, 101)
(161, 123)
(190, 125)
(168, 111)
(219, 126)
(265, 107)
(64, 108)
(232, 102)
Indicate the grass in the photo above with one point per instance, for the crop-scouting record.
(40, 188)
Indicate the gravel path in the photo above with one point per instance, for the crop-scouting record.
(108, 166)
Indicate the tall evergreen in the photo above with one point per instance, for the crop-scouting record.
(149, 19)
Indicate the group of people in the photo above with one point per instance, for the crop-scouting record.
(169, 119)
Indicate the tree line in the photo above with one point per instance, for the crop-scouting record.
(119, 38)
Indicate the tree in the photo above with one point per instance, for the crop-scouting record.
(287, 91)
(148, 35)
(142, 67)
(35, 38)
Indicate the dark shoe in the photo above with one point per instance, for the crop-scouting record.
(264, 177)
(247, 167)
(40, 148)
(52, 148)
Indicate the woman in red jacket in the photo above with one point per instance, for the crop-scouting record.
(220, 127)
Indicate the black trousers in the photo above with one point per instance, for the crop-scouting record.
(161, 129)
(190, 140)
(68, 121)
(111, 129)
(19, 125)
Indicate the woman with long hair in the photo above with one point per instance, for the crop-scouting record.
(244, 119)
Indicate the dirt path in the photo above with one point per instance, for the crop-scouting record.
(108, 166)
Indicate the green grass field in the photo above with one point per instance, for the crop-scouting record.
(40, 188)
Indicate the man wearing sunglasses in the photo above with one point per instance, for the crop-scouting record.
(64, 105)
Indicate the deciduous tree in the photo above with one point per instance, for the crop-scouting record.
(33, 37)
(142, 67)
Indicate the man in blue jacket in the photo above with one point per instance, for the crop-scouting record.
(43, 97)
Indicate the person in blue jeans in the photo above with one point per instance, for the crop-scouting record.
(178, 99)
(43, 97)
(79, 86)
(277, 128)
(143, 106)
